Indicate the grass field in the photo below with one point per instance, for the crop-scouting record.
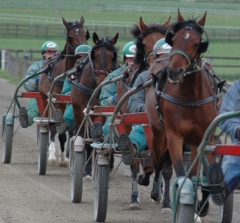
(220, 14)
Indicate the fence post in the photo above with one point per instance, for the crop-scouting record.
(3, 61)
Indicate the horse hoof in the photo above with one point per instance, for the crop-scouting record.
(143, 180)
(64, 164)
(197, 219)
(155, 201)
(166, 210)
(134, 206)
(52, 163)
(205, 210)
(88, 178)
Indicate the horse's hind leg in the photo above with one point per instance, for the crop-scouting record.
(135, 196)
(52, 158)
(62, 159)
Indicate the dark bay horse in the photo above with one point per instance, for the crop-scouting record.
(75, 36)
(91, 71)
(146, 36)
(186, 95)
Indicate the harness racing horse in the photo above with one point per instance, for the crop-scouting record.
(187, 98)
(91, 71)
(146, 36)
(75, 36)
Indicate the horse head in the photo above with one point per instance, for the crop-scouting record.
(146, 36)
(185, 37)
(75, 35)
(103, 56)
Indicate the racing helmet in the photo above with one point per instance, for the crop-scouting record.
(129, 50)
(161, 47)
(49, 46)
(82, 49)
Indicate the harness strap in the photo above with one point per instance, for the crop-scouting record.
(58, 83)
(82, 88)
(188, 103)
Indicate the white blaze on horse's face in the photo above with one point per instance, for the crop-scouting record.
(77, 31)
(187, 35)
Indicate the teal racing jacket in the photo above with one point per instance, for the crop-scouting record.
(30, 84)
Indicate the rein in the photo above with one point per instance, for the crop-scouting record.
(81, 65)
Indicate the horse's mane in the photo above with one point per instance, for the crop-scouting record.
(138, 36)
(63, 52)
(105, 41)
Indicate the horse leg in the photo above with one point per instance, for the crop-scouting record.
(52, 149)
(203, 203)
(135, 196)
(70, 135)
(157, 145)
(148, 169)
(167, 175)
(175, 147)
(62, 159)
(88, 167)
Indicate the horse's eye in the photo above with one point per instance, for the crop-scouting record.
(196, 45)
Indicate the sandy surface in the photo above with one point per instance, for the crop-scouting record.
(26, 197)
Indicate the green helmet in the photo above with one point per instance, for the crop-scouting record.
(82, 49)
(49, 45)
(161, 47)
(129, 50)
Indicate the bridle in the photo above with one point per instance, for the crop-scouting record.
(193, 61)
(104, 44)
(68, 39)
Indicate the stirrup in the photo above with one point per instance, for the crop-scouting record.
(96, 130)
(57, 116)
(127, 148)
(23, 117)
(61, 127)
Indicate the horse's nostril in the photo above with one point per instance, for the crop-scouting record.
(180, 70)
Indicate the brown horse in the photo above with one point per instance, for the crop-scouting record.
(75, 35)
(186, 95)
(91, 71)
(146, 36)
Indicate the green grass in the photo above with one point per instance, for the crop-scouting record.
(220, 14)
(11, 79)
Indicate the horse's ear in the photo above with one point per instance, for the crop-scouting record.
(167, 23)
(180, 17)
(81, 21)
(95, 38)
(65, 23)
(142, 25)
(201, 21)
(114, 39)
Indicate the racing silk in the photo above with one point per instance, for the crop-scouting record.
(67, 87)
(30, 85)
(108, 91)
(136, 102)
(230, 103)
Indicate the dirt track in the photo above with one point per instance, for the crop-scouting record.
(26, 197)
